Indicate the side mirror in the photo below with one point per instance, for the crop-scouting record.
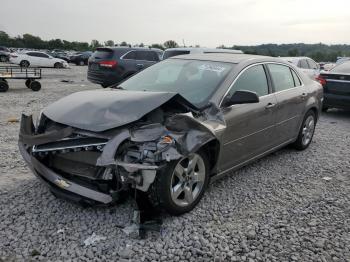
(241, 97)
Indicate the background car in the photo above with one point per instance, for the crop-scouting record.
(4, 54)
(35, 58)
(306, 64)
(170, 52)
(80, 58)
(336, 86)
(110, 65)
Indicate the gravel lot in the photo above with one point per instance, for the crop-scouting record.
(289, 206)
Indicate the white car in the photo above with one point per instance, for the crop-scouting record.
(170, 52)
(35, 58)
(306, 64)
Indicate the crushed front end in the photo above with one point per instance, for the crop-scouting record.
(96, 167)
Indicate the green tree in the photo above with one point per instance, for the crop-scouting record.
(109, 43)
(124, 43)
(159, 46)
(94, 43)
(170, 44)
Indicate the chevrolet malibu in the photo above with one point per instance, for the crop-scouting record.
(171, 129)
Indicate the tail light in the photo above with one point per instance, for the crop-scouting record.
(321, 80)
(108, 64)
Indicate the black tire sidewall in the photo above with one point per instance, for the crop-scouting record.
(299, 142)
(58, 65)
(35, 86)
(27, 64)
(3, 86)
(162, 188)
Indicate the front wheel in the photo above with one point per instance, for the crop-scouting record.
(58, 65)
(3, 86)
(306, 132)
(181, 185)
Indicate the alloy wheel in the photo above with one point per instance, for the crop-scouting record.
(308, 130)
(187, 180)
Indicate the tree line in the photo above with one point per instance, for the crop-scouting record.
(35, 42)
(319, 52)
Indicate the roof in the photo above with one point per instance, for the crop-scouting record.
(205, 50)
(224, 57)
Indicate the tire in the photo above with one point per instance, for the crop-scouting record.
(3, 58)
(325, 108)
(58, 65)
(306, 132)
(24, 63)
(174, 176)
(35, 86)
(28, 81)
(105, 85)
(3, 86)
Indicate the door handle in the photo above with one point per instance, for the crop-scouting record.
(270, 105)
(139, 65)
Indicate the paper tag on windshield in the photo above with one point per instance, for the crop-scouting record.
(213, 68)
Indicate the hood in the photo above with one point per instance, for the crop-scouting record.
(101, 110)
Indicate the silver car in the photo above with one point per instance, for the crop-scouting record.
(171, 129)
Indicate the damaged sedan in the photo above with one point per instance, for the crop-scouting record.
(171, 129)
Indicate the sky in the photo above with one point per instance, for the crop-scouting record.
(207, 23)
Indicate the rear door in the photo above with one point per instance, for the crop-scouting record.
(33, 58)
(249, 127)
(145, 58)
(291, 97)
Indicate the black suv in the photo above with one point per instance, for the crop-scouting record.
(110, 65)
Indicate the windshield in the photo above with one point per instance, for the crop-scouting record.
(342, 68)
(193, 79)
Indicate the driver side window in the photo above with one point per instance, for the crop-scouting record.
(253, 79)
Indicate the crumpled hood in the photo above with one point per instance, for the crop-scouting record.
(101, 110)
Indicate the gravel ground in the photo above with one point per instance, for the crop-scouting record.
(289, 206)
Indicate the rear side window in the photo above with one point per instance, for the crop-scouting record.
(312, 64)
(281, 76)
(172, 53)
(152, 56)
(253, 79)
(42, 55)
(31, 54)
(303, 64)
(130, 55)
(103, 53)
(297, 81)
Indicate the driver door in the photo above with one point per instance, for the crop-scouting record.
(250, 127)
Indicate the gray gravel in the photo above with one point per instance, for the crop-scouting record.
(289, 206)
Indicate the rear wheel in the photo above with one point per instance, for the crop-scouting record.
(3, 86)
(3, 58)
(181, 185)
(35, 86)
(306, 132)
(24, 63)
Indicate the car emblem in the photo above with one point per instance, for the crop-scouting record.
(62, 183)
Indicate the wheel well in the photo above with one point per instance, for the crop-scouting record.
(314, 109)
(212, 149)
